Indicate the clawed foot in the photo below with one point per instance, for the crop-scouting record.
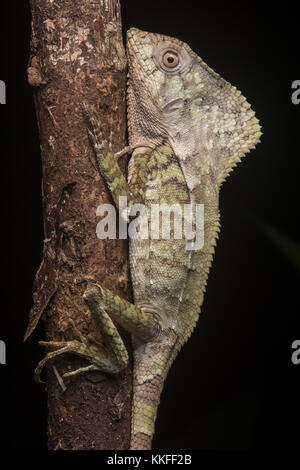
(81, 347)
(96, 133)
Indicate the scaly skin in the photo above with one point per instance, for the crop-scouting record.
(187, 128)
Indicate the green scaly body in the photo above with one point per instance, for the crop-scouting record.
(169, 281)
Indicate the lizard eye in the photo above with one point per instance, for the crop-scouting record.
(170, 59)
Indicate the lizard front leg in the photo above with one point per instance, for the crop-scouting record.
(108, 163)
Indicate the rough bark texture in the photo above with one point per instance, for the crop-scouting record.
(77, 56)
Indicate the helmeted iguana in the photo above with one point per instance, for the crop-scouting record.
(188, 128)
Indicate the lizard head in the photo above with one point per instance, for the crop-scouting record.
(174, 97)
(156, 90)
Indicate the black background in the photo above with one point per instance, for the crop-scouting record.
(233, 386)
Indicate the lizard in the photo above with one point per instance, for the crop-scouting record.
(188, 128)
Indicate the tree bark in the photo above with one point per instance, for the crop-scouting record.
(77, 56)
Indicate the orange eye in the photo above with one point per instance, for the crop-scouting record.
(170, 59)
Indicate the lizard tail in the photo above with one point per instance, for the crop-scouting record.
(147, 389)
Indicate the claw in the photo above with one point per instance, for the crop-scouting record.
(80, 370)
(96, 134)
(65, 347)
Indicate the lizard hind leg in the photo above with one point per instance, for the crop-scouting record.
(143, 325)
(112, 359)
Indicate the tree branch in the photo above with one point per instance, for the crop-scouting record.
(77, 56)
